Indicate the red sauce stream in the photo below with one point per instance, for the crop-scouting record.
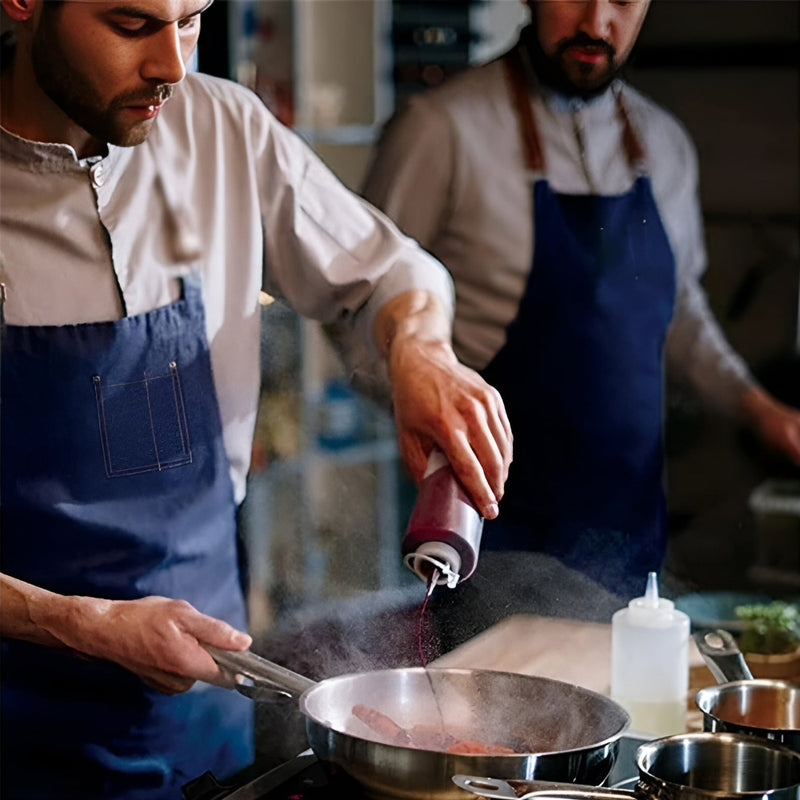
(428, 593)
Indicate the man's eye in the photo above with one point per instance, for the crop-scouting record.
(130, 27)
(133, 26)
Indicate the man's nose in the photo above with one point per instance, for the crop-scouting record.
(164, 59)
(596, 19)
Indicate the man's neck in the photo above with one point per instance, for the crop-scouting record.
(27, 112)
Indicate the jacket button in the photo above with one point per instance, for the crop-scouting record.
(98, 175)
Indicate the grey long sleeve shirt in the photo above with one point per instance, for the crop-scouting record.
(450, 171)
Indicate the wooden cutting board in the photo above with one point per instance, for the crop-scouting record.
(563, 649)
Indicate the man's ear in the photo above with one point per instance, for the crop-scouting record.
(18, 10)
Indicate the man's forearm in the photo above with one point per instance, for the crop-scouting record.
(777, 424)
(437, 401)
(21, 608)
(415, 314)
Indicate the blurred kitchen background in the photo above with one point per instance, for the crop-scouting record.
(328, 499)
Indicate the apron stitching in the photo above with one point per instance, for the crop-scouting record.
(101, 424)
(180, 410)
(152, 424)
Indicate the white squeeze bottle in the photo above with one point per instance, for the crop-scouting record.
(650, 662)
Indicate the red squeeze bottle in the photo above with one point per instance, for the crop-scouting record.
(444, 531)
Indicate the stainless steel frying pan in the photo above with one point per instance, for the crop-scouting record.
(558, 731)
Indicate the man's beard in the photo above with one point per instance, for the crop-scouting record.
(77, 96)
(552, 73)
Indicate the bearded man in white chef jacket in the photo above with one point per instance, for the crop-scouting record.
(142, 211)
(565, 205)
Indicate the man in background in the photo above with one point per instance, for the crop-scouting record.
(565, 205)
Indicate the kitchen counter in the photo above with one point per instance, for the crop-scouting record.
(562, 649)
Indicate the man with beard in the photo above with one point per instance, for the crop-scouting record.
(565, 205)
(142, 210)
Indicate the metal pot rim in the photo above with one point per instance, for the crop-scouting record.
(725, 739)
(706, 698)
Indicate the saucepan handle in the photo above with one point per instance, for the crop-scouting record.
(258, 678)
(722, 655)
(496, 789)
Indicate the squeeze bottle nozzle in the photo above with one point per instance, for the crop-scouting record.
(651, 590)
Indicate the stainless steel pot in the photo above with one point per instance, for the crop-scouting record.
(688, 766)
(740, 703)
(559, 732)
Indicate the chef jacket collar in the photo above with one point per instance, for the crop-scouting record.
(562, 103)
(50, 157)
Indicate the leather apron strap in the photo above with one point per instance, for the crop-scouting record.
(520, 77)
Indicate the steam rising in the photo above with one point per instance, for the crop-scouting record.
(379, 631)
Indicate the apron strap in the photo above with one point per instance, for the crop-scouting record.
(521, 78)
(519, 83)
(630, 141)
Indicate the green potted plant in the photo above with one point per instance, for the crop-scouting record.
(770, 639)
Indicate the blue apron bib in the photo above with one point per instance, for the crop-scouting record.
(581, 377)
(115, 484)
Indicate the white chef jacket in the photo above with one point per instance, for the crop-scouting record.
(450, 170)
(220, 188)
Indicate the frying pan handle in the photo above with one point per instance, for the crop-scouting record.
(255, 675)
(497, 789)
(722, 655)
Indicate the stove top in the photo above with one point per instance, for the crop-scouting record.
(302, 778)
(306, 778)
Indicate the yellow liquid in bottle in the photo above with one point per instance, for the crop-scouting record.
(655, 719)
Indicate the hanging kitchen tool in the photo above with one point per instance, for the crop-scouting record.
(687, 766)
(559, 732)
(741, 703)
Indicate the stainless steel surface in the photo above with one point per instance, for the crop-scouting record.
(693, 766)
(715, 765)
(722, 655)
(559, 731)
(569, 733)
(742, 704)
(258, 678)
(495, 789)
(758, 707)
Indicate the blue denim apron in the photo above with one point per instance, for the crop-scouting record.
(115, 484)
(581, 376)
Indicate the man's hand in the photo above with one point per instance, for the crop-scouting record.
(777, 424)
(439, 401)
(158, 638)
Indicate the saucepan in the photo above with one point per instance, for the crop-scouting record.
(741, 703)
(404, 733)
(687, 766)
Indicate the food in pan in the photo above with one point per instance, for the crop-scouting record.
(423, 737)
